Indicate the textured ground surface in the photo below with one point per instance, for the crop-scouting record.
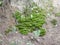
(52, 36)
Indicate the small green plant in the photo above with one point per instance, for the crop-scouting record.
(31, 22)
(54, 21)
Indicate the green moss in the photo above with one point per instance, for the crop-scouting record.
(29, 23)
(8, 31)
(42, 32)
(24, 31)
(54, 21)
(57, 14)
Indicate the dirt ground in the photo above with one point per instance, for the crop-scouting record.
(52, 36)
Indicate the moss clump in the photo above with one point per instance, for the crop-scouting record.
(29, 23)
(54, 21)
(42, 32)
(25, 32)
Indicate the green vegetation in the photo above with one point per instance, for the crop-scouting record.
(7, 31)
(1, 2)
(54, 21)
(31, 22)
(42, 32)
(57, 14)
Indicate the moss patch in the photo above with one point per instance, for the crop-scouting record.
(54, 21)
(1, 2)
(31, 22)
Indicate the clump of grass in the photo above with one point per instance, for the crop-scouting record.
(54, 21)
(31, 22)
